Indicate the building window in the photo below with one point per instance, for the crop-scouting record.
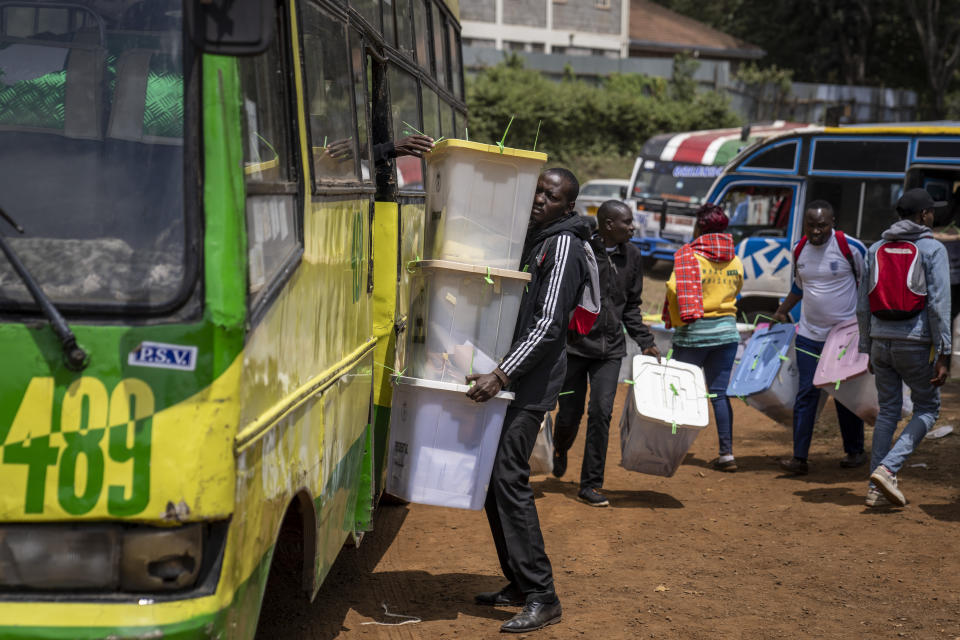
(603, 4)
(479, 42)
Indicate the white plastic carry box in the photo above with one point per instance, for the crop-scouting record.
(667, 410)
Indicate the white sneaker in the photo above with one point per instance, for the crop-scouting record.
(876, 499)
(887, 483)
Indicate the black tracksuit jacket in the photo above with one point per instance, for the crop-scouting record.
(621, 284)
(537, 361)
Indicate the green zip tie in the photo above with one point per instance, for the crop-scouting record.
(466, 132)
(628, 382)
(537, 137)
(836, 386)
(414, 128)
(564, 393)
(770, 318)
(673, 428)
(526, 268)
(842, 352)
(500, 144)
(393, 371)
(674, 389)
(324, 142)
(669, 353)
(414, 261)
(440, 139)
(807, 352)
(756, 359)
(487, 278)
(710, 395)
(784, 358)
(744, 400)
(270, 146)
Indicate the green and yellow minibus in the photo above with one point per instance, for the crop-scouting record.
(201, 296)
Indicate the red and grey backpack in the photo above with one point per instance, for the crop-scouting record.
(842, 244)
(898, 285)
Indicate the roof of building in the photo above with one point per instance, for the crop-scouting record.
(656, 28)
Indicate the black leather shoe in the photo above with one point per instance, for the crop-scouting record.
(853, 460)
(559, 463)
(535, 615)
(795, 466)
(509, 596)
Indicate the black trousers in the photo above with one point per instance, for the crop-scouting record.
(603, 376)
(511, 510)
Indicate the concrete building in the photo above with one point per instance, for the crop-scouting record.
(564, 27)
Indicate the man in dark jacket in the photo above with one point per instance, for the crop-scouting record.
(533, 370)
(597, 356)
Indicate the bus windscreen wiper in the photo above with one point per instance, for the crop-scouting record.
(74, 356)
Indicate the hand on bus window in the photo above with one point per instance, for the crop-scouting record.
(340, 149)
(415, 145)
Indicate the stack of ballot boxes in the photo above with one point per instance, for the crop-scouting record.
(465, 297)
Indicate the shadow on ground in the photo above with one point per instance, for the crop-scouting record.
(618, 498)
(354, 584)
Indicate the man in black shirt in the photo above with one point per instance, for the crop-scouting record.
(597, 356)
(533, 370)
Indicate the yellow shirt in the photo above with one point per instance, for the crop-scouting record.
(721, 282)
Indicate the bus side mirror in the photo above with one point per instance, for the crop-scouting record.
(231, 27)
(623, 193)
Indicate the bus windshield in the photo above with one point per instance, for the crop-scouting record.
(674, 181)
(91, 151)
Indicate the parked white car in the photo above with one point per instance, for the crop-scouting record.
(593, 193)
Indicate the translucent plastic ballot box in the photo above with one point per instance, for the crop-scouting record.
(461, 319)
(478, 202)
(442, 444)
(666, 411)
(766, 376)
(842, 372)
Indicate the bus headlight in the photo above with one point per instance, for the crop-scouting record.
(100, 557)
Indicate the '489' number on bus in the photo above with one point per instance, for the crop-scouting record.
(93, 431)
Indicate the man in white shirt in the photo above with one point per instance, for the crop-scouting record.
(826, 273)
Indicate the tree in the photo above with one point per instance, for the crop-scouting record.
(938, 27)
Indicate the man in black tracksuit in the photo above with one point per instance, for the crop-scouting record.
(597, 356)
(533, 370)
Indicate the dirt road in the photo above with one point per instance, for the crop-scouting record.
(704, 554)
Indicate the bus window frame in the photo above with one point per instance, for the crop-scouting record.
(188, 302)
(347, 20)
(858, 173)
(294, 186)
(743, 164)
(921, 160)
(797, 185)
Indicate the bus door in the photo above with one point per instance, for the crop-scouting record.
(937, 170)
(764, 227)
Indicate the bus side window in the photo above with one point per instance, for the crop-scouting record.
(358, 60)
(757, 210)
(406, 121)
(330, 107)
(274, 238)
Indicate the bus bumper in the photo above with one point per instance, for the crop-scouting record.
(656, 248)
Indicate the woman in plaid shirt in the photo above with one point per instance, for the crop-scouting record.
(701, 305)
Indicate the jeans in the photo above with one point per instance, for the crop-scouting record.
(896, 362)
(603, 376)
(717, 363)
(808, 399)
